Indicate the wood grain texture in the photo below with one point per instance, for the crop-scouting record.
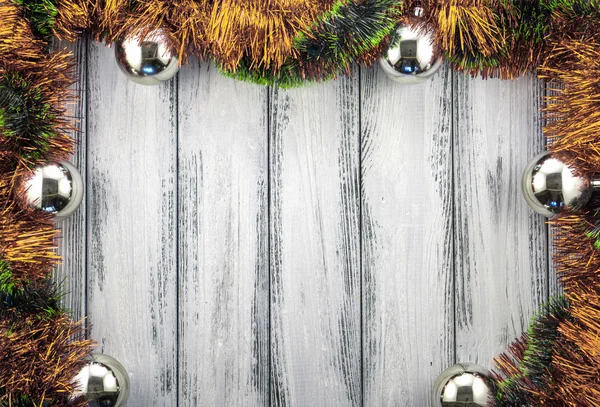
(501, 245)
(406, 167)
(335, 245)
(71, 274)
(554, 285)
(223, 239)
(132, 176)
(314, 246)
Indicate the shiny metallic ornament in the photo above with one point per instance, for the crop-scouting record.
(103, 381)
(551, 187)
(55, 188)
(464, 385)
(412, 56)
(147, 60)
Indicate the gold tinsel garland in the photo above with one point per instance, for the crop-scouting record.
(269, 38)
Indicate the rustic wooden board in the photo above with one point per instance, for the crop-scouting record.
(407, 240)
(339, 244)
(223, 240)
(315, 246)
(501, 245)
(71, 274)
(132, 175)
(554, 285)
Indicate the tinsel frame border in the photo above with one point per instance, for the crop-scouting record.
(557, 363)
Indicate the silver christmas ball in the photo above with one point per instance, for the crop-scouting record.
(56, 188)
(412, 56)
(104, 382)
(464, 385)
(147, 60)
(551, 187)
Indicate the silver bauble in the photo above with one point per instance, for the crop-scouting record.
(464, 385)
(104, 382)
(412, 56)
(551, 187)
(147, 60)
(56, 188)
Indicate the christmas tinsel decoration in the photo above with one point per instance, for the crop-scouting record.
(290, 43)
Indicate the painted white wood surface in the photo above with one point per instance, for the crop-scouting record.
(131, 226)
(315, 246)
(406, 237)
(223, 258)
(335, 245)
(72, 246)
(501, 258)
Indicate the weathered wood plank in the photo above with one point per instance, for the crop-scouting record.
(501, 245)
(223, 238)
(554, 285)
(314, 251)
(407, 211)
(132, 164)
(71, 274)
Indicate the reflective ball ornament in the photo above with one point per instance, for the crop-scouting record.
(412, 56)
(103, 382)
(55, 188)
(464, 385)
(551, 187)
(147, 60)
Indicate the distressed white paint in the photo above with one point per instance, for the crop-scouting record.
(501, 262)
(71, 273)
(336, 245)
(223, 264)
(315, 246)
(131, 227)
(407, 237)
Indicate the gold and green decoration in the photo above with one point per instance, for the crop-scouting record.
(293, 43)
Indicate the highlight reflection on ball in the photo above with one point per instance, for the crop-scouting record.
(55, 188)
(103, 381)
(412, 56)
(551, 187)
(465, 385)
(148, 60)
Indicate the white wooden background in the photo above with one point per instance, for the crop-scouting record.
(335, 245)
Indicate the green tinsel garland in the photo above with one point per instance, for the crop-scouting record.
(41, 15)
